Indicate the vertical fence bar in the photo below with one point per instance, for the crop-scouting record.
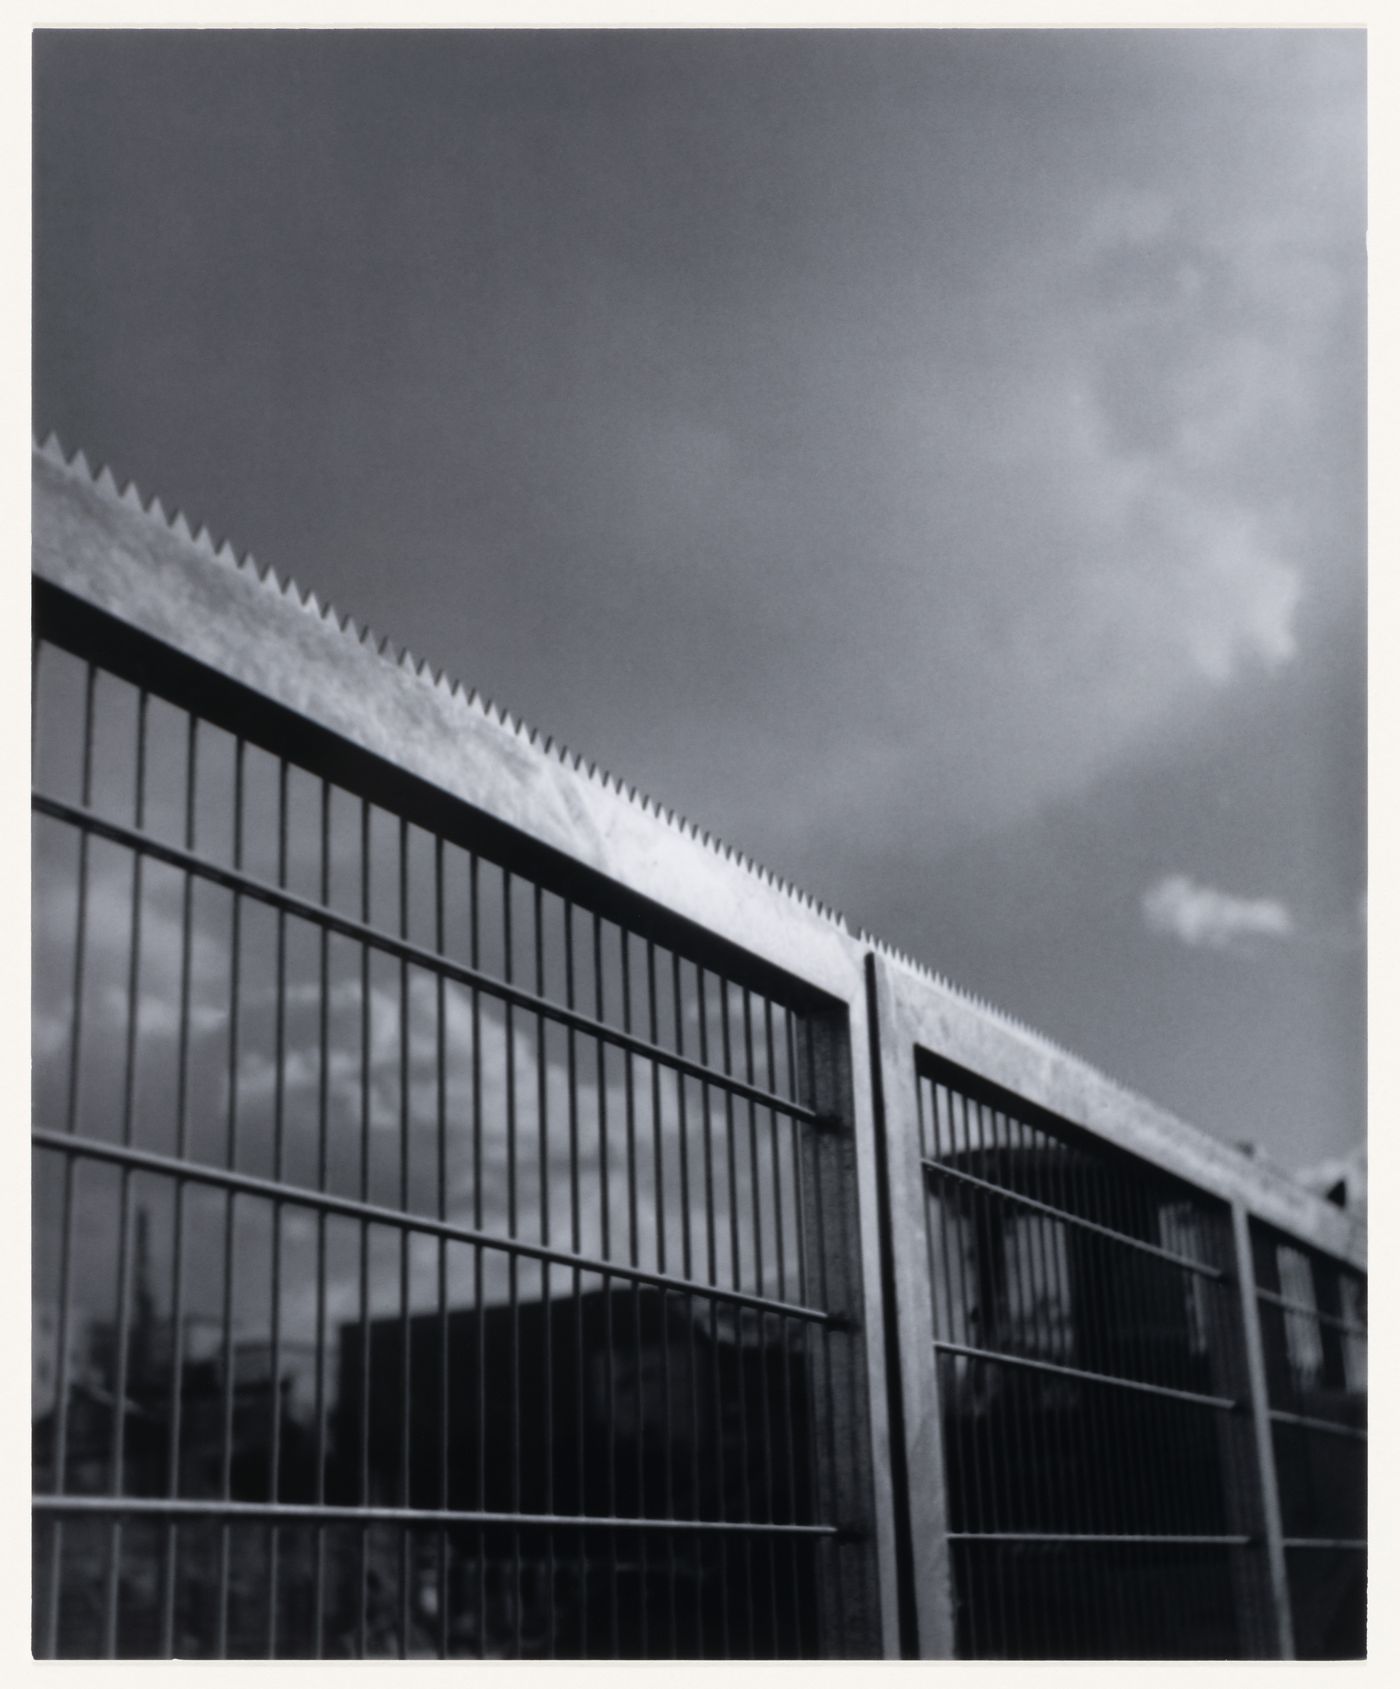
(658, 1142)
(737, 1279)
(72, 1112)
(230, 1201)
(633, 1256)
(279, 1066)
(1271, 1511)
(712, 1271)
(170, 1567)
(366, 1092)
(444, 1442)
(128, 1117)
(405, 1174)
(546, 1310)
(478, 1216)
(323, 1081)
(513, 1260)
(576, 1280)
(609, 1333)
(756, 1201)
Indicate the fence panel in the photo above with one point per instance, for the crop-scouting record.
(1082, 1329)
(1312, 1314)
(1084, 1474)
(427, 1264)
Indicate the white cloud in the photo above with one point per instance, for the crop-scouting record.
(1201, 916)
(1191, 361)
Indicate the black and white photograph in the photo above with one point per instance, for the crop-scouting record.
(699, 843)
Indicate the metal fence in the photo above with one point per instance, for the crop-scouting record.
(476, 1215)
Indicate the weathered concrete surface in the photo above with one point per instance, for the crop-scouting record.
(105, 549)
(224, 614)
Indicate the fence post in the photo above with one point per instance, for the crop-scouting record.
(1270, 1509)
(916, 1420)
(852, 1467)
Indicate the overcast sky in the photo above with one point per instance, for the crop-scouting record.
(932, 461)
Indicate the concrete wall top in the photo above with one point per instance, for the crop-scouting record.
(110, 549)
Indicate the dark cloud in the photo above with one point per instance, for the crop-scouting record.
(870, 443)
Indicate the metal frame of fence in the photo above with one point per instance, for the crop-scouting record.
(977, 1332)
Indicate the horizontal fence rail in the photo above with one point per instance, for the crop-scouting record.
(478, 1215)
